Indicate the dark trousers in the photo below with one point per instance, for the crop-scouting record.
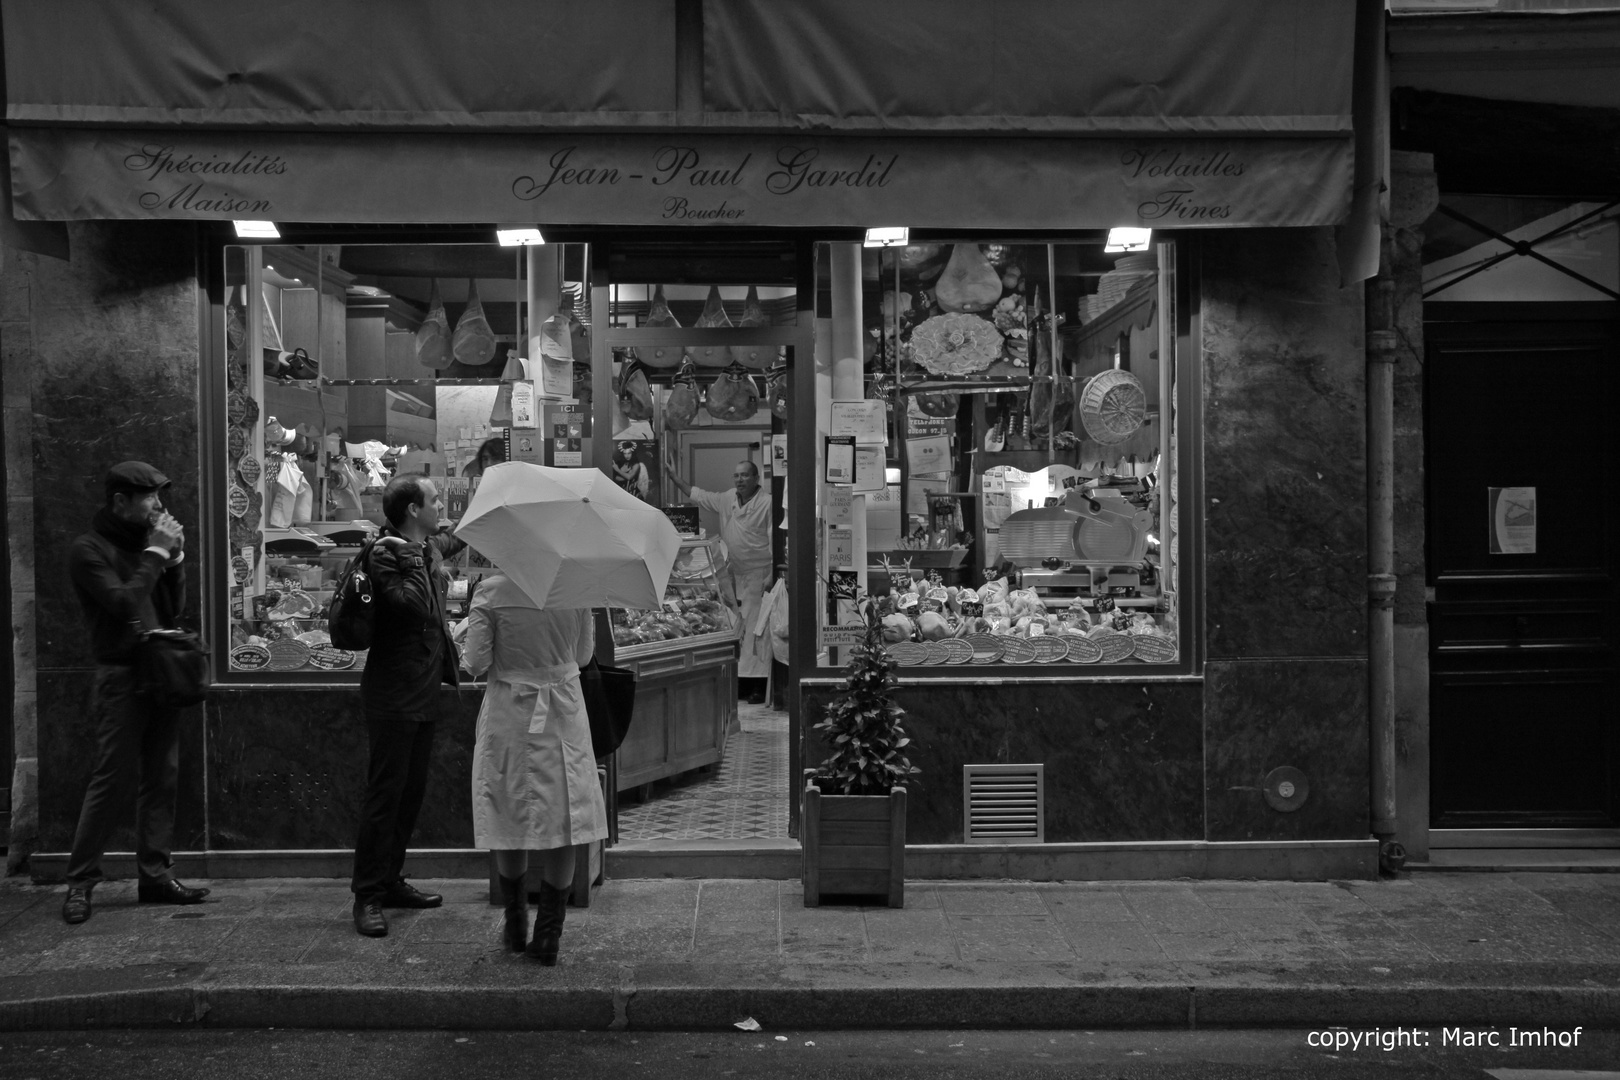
(396, 780)
(137, 746)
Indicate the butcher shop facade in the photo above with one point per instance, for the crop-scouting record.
(1045, 338)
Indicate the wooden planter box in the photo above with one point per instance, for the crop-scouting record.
(854, 844)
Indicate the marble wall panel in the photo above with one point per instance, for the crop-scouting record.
(66, 741)
(1123, 761)
(1284, 431)
(115, 377)
(287, 769)
(1310, 714)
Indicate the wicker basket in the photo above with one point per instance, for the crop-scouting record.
(1112, 406)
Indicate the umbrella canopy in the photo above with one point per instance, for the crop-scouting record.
(571, 538)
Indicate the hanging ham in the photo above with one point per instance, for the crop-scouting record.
(433, 336)
(755, 357)
(969, 282)
(733, 396)
(663, 356)
(714, 317)
(473, 343)
(682, 407)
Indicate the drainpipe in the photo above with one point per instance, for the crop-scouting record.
(1381, 341)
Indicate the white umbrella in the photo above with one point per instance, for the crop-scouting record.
(571, 538)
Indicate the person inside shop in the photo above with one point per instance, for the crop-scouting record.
(745, 527)
(534, 785)
(128, 571)
(411, 656)
(490, 452)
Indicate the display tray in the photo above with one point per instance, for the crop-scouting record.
(660, 648)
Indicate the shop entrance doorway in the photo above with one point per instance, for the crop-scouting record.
(1523, 520)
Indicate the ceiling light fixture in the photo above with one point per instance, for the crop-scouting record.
(1128, 239)
(519, 236)
(256, 230)
(895, 236)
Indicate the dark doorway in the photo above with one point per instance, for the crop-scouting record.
(1523, 497)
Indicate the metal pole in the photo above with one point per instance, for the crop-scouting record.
(1381, 343)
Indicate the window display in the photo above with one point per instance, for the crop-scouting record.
(694, 607)
(1028, 514)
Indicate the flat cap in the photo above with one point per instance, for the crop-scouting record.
(134, 477)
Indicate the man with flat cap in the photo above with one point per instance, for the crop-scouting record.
(127, 572)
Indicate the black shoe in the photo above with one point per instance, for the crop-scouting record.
(402, 894)
(515, 931)
(549, 915)
(168, 891)
(369, 920)
(76, 908)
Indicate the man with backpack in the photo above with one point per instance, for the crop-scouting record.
(411, 656)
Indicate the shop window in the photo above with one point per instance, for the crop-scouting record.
(345, 366)
(1003, 482)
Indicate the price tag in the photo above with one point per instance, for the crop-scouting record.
(236, 500)
(250, 657)
(250, 470)
(330, 658)
(842, 635)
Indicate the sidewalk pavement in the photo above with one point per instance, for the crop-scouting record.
(1521, 949)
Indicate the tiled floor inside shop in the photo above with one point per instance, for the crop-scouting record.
(746, 796)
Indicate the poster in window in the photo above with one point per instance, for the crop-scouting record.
(1513, 520)
(635, 467)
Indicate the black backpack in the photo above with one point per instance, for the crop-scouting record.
(349, 615)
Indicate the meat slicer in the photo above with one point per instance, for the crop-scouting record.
(1093, 542)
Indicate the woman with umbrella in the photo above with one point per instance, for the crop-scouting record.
(565, 541)
(534, 782)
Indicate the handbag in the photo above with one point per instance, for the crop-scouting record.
(610, 702)
(171, 667)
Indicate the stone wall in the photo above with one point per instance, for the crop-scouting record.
(110, 374)
(1285, 534)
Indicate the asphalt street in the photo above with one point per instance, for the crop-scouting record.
(856, 1055)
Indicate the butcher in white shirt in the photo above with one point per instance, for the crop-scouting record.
(745, 527)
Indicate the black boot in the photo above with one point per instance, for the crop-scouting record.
(516, 931)
(548, 923)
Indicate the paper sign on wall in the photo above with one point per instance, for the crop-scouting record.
(1513, 520)
(869, 468)
(523, 405)
(556, 377)
(865, 421)
(929, 454)
(838, 505)
(523, 444)
(840, 459)
(779, 454)
(840, 547)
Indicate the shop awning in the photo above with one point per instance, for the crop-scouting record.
(1027, 114)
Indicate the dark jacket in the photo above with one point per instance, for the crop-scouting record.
(118, 583)
(411, 654)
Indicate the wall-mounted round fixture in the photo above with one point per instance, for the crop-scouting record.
(1286, 788)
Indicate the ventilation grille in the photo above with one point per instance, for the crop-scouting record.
(1004, 804)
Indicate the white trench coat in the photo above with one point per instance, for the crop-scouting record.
(534, 780)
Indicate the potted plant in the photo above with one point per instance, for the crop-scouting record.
(854, 827)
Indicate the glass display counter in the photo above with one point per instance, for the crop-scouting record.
(685, 658)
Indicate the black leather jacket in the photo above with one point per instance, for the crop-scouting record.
(411, 653)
